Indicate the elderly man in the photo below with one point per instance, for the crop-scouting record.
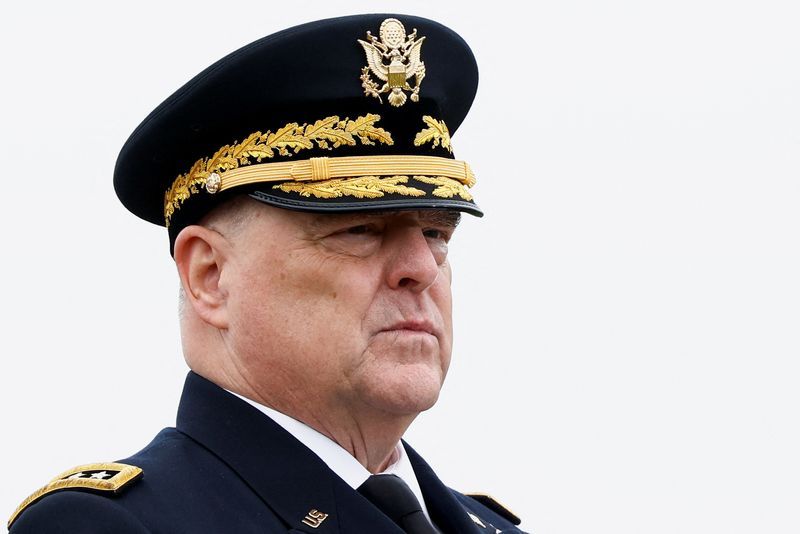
(309, 188)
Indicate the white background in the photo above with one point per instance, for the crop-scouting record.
(627, 312)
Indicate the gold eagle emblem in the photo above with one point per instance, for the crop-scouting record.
(393, 59)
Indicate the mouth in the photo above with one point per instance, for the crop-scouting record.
(412, 328)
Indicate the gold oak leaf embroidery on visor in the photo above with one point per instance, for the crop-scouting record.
(359, 187)
(328, 133)
(446, 187)
(436, 133)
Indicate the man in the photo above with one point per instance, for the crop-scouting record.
(309, 189)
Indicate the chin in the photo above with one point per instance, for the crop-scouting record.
(403, 374)
(408, 390)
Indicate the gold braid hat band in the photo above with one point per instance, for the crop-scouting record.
(326, 168)
(234, 165)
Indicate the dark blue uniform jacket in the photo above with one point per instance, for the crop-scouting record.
(228, 468)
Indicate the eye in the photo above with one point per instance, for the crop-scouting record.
(360, 229)
(435, 233)
(355, 239)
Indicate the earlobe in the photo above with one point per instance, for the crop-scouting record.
(200, 258)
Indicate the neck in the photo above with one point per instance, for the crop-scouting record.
(368, 432)
(370, 436)
(371, 441)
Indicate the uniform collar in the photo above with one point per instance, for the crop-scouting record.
(338, 459)
(290, 479)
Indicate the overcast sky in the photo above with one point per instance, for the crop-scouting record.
(627, 312)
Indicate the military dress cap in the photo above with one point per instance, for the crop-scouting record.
(345, 114)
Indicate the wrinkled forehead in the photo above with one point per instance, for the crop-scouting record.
(242, 211)
(435, 217)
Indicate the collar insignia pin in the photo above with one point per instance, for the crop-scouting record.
(393, 59)
(314, 518)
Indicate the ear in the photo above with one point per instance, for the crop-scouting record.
(200, 255)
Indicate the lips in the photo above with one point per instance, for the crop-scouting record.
(421, 326)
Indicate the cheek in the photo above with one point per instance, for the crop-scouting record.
(444, 301)
(327, 292)
(298, 301)
(442, 293)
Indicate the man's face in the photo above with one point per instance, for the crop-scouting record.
(347, 312)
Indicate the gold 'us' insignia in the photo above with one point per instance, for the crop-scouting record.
(393, 59)
(105, 478)
(314, 518)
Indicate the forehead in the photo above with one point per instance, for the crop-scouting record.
(445, 217)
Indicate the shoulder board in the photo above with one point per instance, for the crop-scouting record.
(105, 479)
(492, 504)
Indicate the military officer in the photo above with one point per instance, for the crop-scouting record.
(309, 200)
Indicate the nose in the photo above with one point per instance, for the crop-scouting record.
(412, 261)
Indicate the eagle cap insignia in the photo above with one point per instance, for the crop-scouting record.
(393, 59)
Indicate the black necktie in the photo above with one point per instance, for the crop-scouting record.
(394, 498)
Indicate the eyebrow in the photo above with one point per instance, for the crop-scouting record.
(441, 217)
